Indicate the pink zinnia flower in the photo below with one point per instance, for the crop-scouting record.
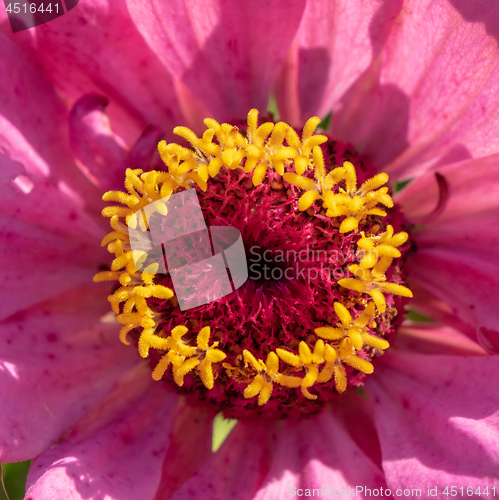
(412, 86)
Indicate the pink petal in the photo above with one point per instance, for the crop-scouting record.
(474, 188)
(33, 122)
(115, 452)
(58, 362)
(318, 454)
(278, 461)
(100, 154)
(227, 52)
(432, 92)
(458, 254)
(353, 413)
(238, 469)
(437, 420)
(97, 49)
(49, 244)
(336, 42)
(193, 109)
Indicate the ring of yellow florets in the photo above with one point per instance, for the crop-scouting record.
(268, 146)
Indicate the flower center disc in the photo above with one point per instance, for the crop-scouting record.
(324, 250)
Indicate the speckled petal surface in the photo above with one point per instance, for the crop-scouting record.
(437, 420)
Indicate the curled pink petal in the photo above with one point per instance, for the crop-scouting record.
(458, 253)
(443, 198)
(468, 283)
(430, 412)
(100, 154)
(474, 188)
(318, 454)
(227, 52)
(320, 68)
